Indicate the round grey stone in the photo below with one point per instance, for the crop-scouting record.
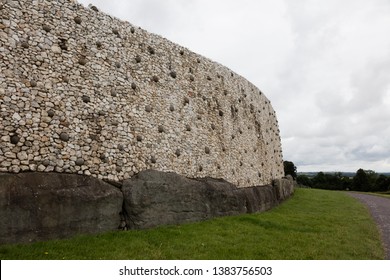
(173, 74)
(151, 50)
(82, 61)
(178, 152)
(15, 139)
(94, 8)
(79, 161)
(77, 20)
(51, 113)
(86, 98)
(161, 129)
(46, 28)
(64, 136)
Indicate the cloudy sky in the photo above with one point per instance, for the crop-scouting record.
(325, 66)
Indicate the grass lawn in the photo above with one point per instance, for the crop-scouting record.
(382, 194)
(313, 224)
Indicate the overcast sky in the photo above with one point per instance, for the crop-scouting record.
(325, 66)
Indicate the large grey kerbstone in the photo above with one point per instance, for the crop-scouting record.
(41, 206)
(155, 198)
(284, 187)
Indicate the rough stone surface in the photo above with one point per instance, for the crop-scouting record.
(40, 206)
(154, 198)
(98, 74)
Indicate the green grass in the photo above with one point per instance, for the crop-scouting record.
(313, 224)
(382, 194)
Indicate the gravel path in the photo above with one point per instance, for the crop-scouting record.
(380, 210)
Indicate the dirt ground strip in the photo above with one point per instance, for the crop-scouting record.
(380, 210)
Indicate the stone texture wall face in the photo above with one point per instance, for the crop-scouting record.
(83, 92)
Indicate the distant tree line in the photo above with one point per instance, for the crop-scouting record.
(363, 180)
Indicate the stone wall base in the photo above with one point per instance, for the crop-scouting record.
(42, 206)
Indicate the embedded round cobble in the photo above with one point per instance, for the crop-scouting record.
(173, 74)
(86, 99)
(46, 28)
(79, 162)
(77, 20)
(151, 50)
(15, 139)
(161, 129)
(82, 61)
(64, 136)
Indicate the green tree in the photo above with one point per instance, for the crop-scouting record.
(304, 180)
(290, 169)
(330, 181)
(382, 183)
(361, 181)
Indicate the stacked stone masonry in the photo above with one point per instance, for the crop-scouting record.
(83, 92)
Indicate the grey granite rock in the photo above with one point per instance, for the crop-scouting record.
(41, 206)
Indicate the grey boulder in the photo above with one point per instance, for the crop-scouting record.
(43, 206)
(153, 198)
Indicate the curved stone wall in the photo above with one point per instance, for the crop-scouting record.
(83, 92)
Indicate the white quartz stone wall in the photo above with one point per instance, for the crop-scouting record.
(83, 92)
